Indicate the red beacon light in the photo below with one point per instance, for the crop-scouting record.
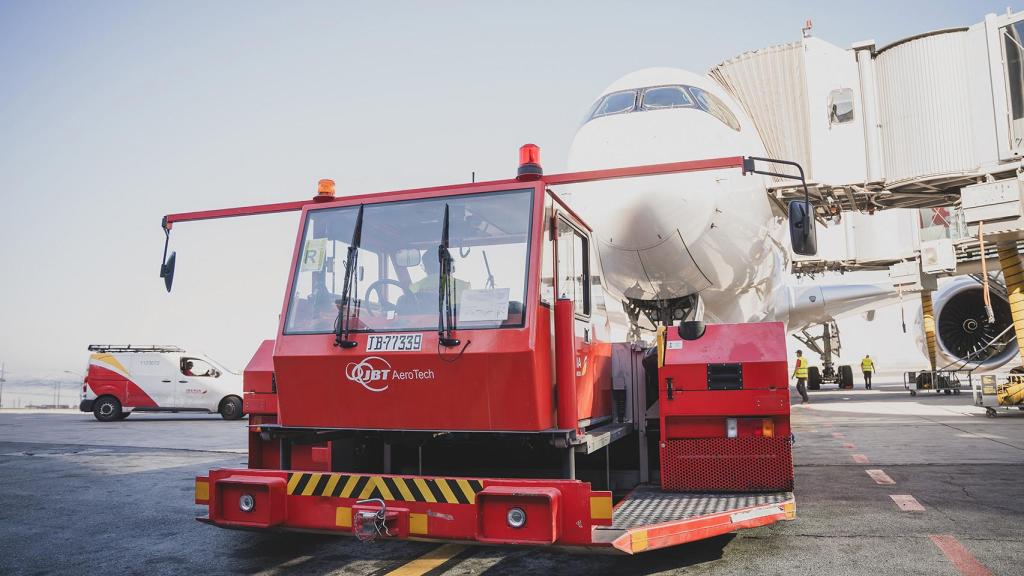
(324, 190)
(529, 163)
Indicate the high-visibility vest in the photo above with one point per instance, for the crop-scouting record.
(801, 367)
(867, 365)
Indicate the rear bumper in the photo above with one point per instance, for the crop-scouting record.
(86, 405)
(565, 513)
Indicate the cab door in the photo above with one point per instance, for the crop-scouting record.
(572, 270)
(197, 383)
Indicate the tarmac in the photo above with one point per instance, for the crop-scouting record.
(886, 483)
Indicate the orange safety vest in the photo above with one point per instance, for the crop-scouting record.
(801, 368)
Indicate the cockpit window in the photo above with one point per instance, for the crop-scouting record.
(666, 97)
(615, 103)
(661, 98)
(715, 107)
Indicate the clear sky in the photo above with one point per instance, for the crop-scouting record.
(115, 113)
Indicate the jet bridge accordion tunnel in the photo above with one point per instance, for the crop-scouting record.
(724, 410)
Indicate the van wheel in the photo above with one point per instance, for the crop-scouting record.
(231, 408)
(107, 409)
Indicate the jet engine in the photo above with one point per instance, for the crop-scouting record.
(964, 336)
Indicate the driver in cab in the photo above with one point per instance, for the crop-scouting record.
(430, 283)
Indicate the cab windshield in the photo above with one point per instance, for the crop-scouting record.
(397, 272)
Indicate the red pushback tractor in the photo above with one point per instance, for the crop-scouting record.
(447, 368)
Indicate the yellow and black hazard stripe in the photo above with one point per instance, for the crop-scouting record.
(393, 488)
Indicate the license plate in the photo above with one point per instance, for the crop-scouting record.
(394, 343)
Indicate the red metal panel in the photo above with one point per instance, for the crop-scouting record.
(541, 506)
(566, 355)
(727, 464)
(259, 373)
(697, 453)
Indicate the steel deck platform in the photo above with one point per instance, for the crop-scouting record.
(648, 505)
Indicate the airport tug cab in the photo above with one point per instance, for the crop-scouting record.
(445, 370)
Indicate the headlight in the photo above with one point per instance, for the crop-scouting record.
(246, 502)
(516, 518)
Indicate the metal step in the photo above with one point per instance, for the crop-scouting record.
(648, 505)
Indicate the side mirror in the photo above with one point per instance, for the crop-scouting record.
(167, 271)
(407, 258)
(801, 228)
(691, 329)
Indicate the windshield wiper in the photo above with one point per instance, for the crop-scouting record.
(445, 290)
(342, 325)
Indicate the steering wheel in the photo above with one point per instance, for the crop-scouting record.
(382, 306)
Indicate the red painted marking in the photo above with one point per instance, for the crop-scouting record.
(128, 393)
(849, 446)
(907, 503)
(880, 477)
(860, 458)
(838, 435)
(962, 558)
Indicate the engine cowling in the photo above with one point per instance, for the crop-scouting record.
(962, 327)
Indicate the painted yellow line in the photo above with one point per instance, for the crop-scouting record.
(428, 561)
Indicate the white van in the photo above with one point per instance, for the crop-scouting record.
(126, 379)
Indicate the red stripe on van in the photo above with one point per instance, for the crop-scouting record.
(103, 381)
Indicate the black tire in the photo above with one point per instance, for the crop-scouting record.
(107, 409)
(231, 408)
(845, 377)
(813, 378)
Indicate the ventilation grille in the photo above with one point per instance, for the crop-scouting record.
(727, 464)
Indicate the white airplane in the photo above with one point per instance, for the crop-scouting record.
(664, 239)
(710, 245)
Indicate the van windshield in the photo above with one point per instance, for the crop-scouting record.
(397, 277)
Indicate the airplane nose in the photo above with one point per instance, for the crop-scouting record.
(653, 232)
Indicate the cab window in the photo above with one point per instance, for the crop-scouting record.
(666, 97)
(197, 367)
(573, 267)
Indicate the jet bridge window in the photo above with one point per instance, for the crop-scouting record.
(840, 106)
(666, 97)
(1013, 70)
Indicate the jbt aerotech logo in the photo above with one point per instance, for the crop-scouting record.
(376, 374)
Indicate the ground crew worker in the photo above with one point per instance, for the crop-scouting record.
(800, 373)
(867, 365)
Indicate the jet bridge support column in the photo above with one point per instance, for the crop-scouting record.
(1013, 276)
(929, 325)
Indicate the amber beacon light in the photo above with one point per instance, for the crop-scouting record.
(325, 190)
